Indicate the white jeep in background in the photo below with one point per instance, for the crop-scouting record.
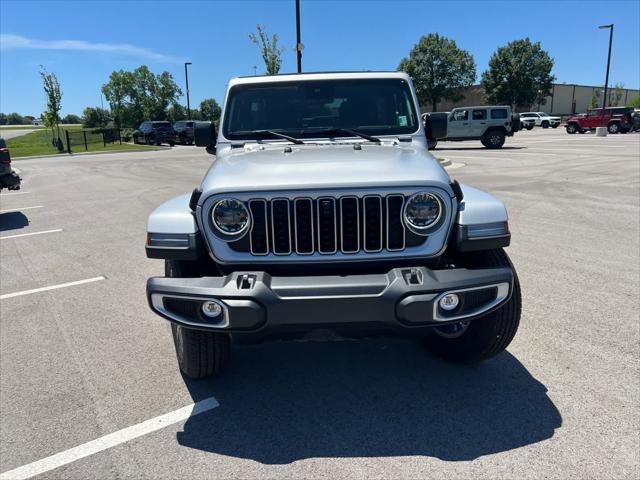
(541, 119)
(324, 211)
(488, 123)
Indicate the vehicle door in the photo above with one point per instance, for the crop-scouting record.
(478, 122)
(458, 123)
(592, 120)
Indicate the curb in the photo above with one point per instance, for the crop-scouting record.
(80, 154)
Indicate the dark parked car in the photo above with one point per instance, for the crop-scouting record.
(155, 133)
(8, 178)
(184, 131)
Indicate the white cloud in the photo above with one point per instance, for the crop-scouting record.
(8, 41)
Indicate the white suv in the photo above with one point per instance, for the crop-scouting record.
(542, 119)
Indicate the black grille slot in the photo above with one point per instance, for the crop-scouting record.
(259, 232)
(327, 225)
(350, 224)
(395, 228)
(477, 298)
(281, 227)
(304, 225)
(185, 308)
(372, 224)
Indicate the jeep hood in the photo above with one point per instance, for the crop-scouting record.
(269, 167)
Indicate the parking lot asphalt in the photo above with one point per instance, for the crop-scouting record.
(87, 360)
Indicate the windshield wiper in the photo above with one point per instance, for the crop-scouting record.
(354, 133)
(272, 133)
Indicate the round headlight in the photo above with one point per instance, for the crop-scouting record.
(422, 211)
(230, 217)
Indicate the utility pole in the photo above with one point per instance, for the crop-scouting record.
(186, 78)
(606, 81)
(298, 42)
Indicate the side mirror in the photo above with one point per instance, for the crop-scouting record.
(204, 135)
(438, 121)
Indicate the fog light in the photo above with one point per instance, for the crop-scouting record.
(211, 309)
(449, 302)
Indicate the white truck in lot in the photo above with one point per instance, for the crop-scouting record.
(324, 210)
(541, 119)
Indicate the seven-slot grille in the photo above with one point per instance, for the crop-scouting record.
(327, 225)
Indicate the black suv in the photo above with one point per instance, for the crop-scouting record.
(184, 131)
(155, 133)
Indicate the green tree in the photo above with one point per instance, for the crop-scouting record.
(635, 102)
(519, 74)
(439, 69)
(3, 119)
(593, 103)
(95, 117)
(140, 95)
(51, 116)
(71, 119)
(615, 95)
(210, 110)
(15, 119)
(271, 53)
(117, 91)
(176, 112)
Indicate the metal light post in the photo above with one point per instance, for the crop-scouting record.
(298, 42)
(606, 81)
(186, 78)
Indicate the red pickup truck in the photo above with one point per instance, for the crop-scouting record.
(616, 119)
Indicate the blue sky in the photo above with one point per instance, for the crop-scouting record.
(83, 41)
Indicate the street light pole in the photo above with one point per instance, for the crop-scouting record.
(186, 78)
(298, 42)
(606, 81)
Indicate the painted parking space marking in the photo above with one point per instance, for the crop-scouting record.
(30, 234)
(20, 209)
(52, 287)
(109, 441)
(12, 194)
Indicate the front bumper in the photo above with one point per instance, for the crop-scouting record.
(258, 304)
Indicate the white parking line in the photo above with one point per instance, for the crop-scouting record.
(109, 441)
(32, 233)
(13, 194)
(52, 287)
(19, 209)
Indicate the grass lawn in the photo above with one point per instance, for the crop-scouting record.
(39, 143)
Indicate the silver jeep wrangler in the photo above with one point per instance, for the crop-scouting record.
(324, 211)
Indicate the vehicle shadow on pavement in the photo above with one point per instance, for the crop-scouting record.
(439, 147)
(13, 221)
(283, 402)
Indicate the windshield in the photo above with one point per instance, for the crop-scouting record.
(306, 108)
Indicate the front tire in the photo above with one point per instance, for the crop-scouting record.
(484, 337)
(200, 353)
(572, 128)
(493, 139)
(613, 128)
(555, 125)
(545, 124)
(529, 127)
